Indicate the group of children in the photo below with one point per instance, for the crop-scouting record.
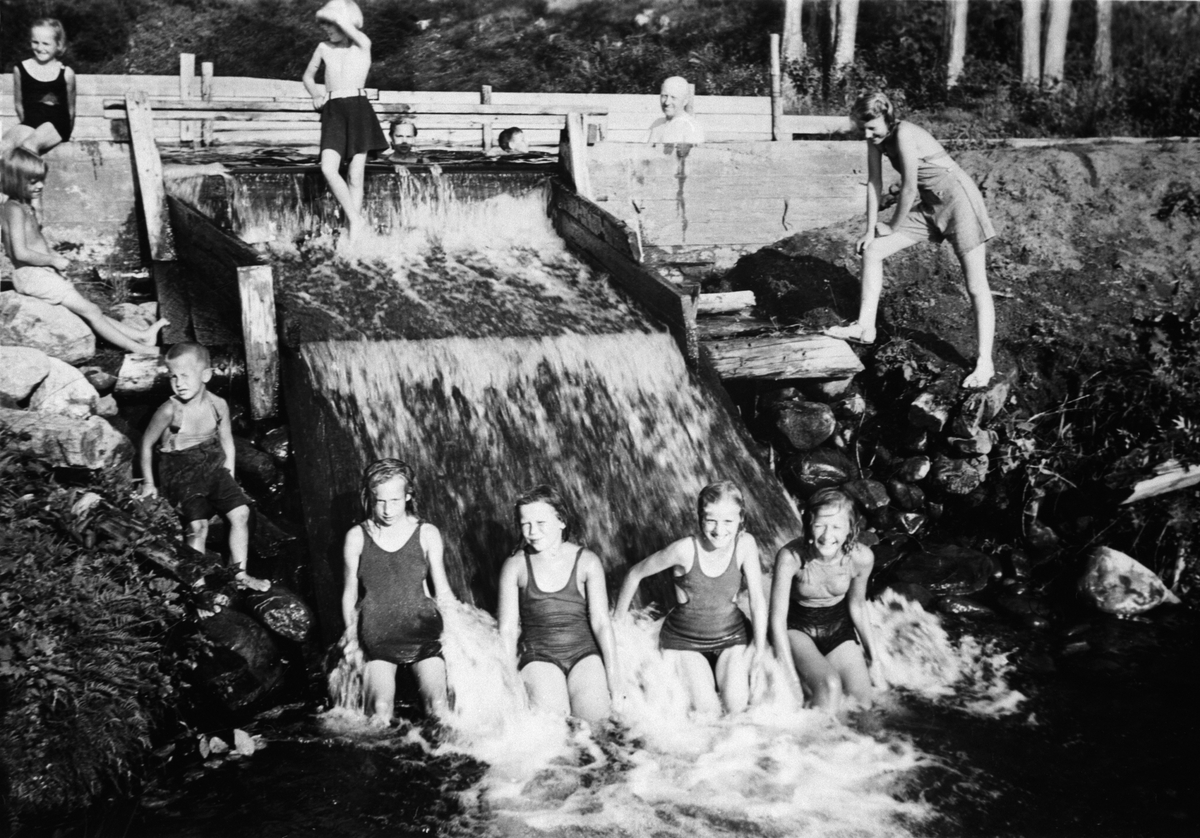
(554, 617)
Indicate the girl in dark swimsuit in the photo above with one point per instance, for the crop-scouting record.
(43, 92)
(392, 557)
(706, 635)
(818, 606)
(554, 613)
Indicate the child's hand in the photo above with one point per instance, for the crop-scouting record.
(319, 100)
(60, 263)
(149, 490)
(883, 229)
(245, 580)
(352, 652)
(862, 243)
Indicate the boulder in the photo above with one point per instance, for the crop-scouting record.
(281, 611)
(947, 569)
(914, 440)
(959, 476)
(870, 494)
(136, 315)
(104, 382)
(276, 442)
(912, 469)
(242, 663)
(931, 409)
(906, 496)
(981, 442)
(963, 606)
(805, 425)
(23, 369)
(1118, 584)
(107, 406)
(912, 522)
(817, 469)
(825, 389)
(65, 391)
(26, 321)
(89, 443)
(979, 408)
(254, 468)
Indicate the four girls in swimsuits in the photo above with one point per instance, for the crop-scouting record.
(819, 624)
(706, 635)
(553, 613)
(43, 91)
(392, 558)
(938, 201)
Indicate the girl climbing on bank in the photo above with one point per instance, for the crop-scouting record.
(43, 91)
(938, 201)
(819, 624)
(392, 557)
(554, 613)
(706, 636)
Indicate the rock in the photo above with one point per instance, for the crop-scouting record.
(242, 665)
(23, 369)
(906, 496)
(914, 440)
(825, 389)
(137, 315)
(277, 443)
(281, 611)
(963, 606)
(979, 408)
(805, 425)
(931, 409)
(1022, 605)
(913, 469)
(817, 469)
(254, 468)
(981, 442)
(25, 321)
(882, 456)
(871, 494)
(1118, 584)
(269, 539)
(89, 443)
(959, 476)
(769, 400)
(104, 382)
(947, 569)
(65, 391)
(1022, 567)
(107, 406)
(913, 593)
(852, 408)
(911, 522)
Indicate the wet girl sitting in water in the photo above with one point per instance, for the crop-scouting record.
(818, 605)
(392, 557)
(706, 636)
(938, 201)
(554, 613)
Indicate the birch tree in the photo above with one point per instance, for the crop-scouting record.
(1102, 51)
(1031, 41)
(955, 40)
(792, 48)
(1058, 22)
(847, 31)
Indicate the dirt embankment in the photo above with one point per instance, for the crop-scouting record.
(1089, 236)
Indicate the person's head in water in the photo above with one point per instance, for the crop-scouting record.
(720, 509)
(387, 490)
(513, 141)
(833, 522)
(675, 97)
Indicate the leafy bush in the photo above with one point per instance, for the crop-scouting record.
(89, 608)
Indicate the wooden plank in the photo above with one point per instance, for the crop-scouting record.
(261, 340)
(729, 325)
(577, 154)
(601, 223)
(187, 74)
(725, 302)
(148, 167)
(782, 356)
(808, 124)
(776, 89)
(305, 105)
(1169, 477)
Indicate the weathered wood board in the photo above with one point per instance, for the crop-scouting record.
(782, 356)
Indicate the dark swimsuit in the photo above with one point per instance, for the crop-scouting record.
(192, 473)
(45, 101)
(829, 626)
(709, 622)
(400, 623)
(554, 624)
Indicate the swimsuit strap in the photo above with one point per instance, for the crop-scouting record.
(696, 556)
(570, 580)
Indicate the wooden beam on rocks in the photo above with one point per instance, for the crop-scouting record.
(148, 167)
(770, 357)
(261, 339)
(726, 302)
(1168, 477)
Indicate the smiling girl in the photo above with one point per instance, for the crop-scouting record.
(43, 91)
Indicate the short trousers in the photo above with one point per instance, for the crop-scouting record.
(43, 283)
(951, 209)
(197, 483)
(829, 626)
(350, 127)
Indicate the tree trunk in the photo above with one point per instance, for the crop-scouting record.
(1056, 43)
(1102, 52)
(793, 50)
(956, 40)
(1031, 41)
(847, 30)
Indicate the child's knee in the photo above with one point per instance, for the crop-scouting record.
(239, 516)
(198, 528)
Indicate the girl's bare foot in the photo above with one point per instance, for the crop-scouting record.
(982, 375)
(852, 333)
(156, 327)
(245, 580)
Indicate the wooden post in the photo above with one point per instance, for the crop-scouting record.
(187, 74)
(485, 98)
(776, 89)
(206, 93)
(577, 146)
(148, 166)
(485, 94)
(257, 293)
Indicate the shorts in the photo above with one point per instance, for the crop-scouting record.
(829, 626)
(951, 209)
(42, 283)
(197, 483)
(350, 127)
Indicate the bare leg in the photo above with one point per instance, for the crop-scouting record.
(103, 325)
(431, 681)
(239, 548)
(381, 689)
(588, 685)
(733, 678)
(974, 265)
(851, 666)
(872, 287)
(20, 135)
(546, 687)
(44, 138)
(356, 177)
(331, 163)
(197, 534)
(697, 676)
(147, 336)
(821, 680)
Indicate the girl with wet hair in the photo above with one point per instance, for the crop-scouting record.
(554, 612)
(706, 636)
(392, 557)
(819, 623)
